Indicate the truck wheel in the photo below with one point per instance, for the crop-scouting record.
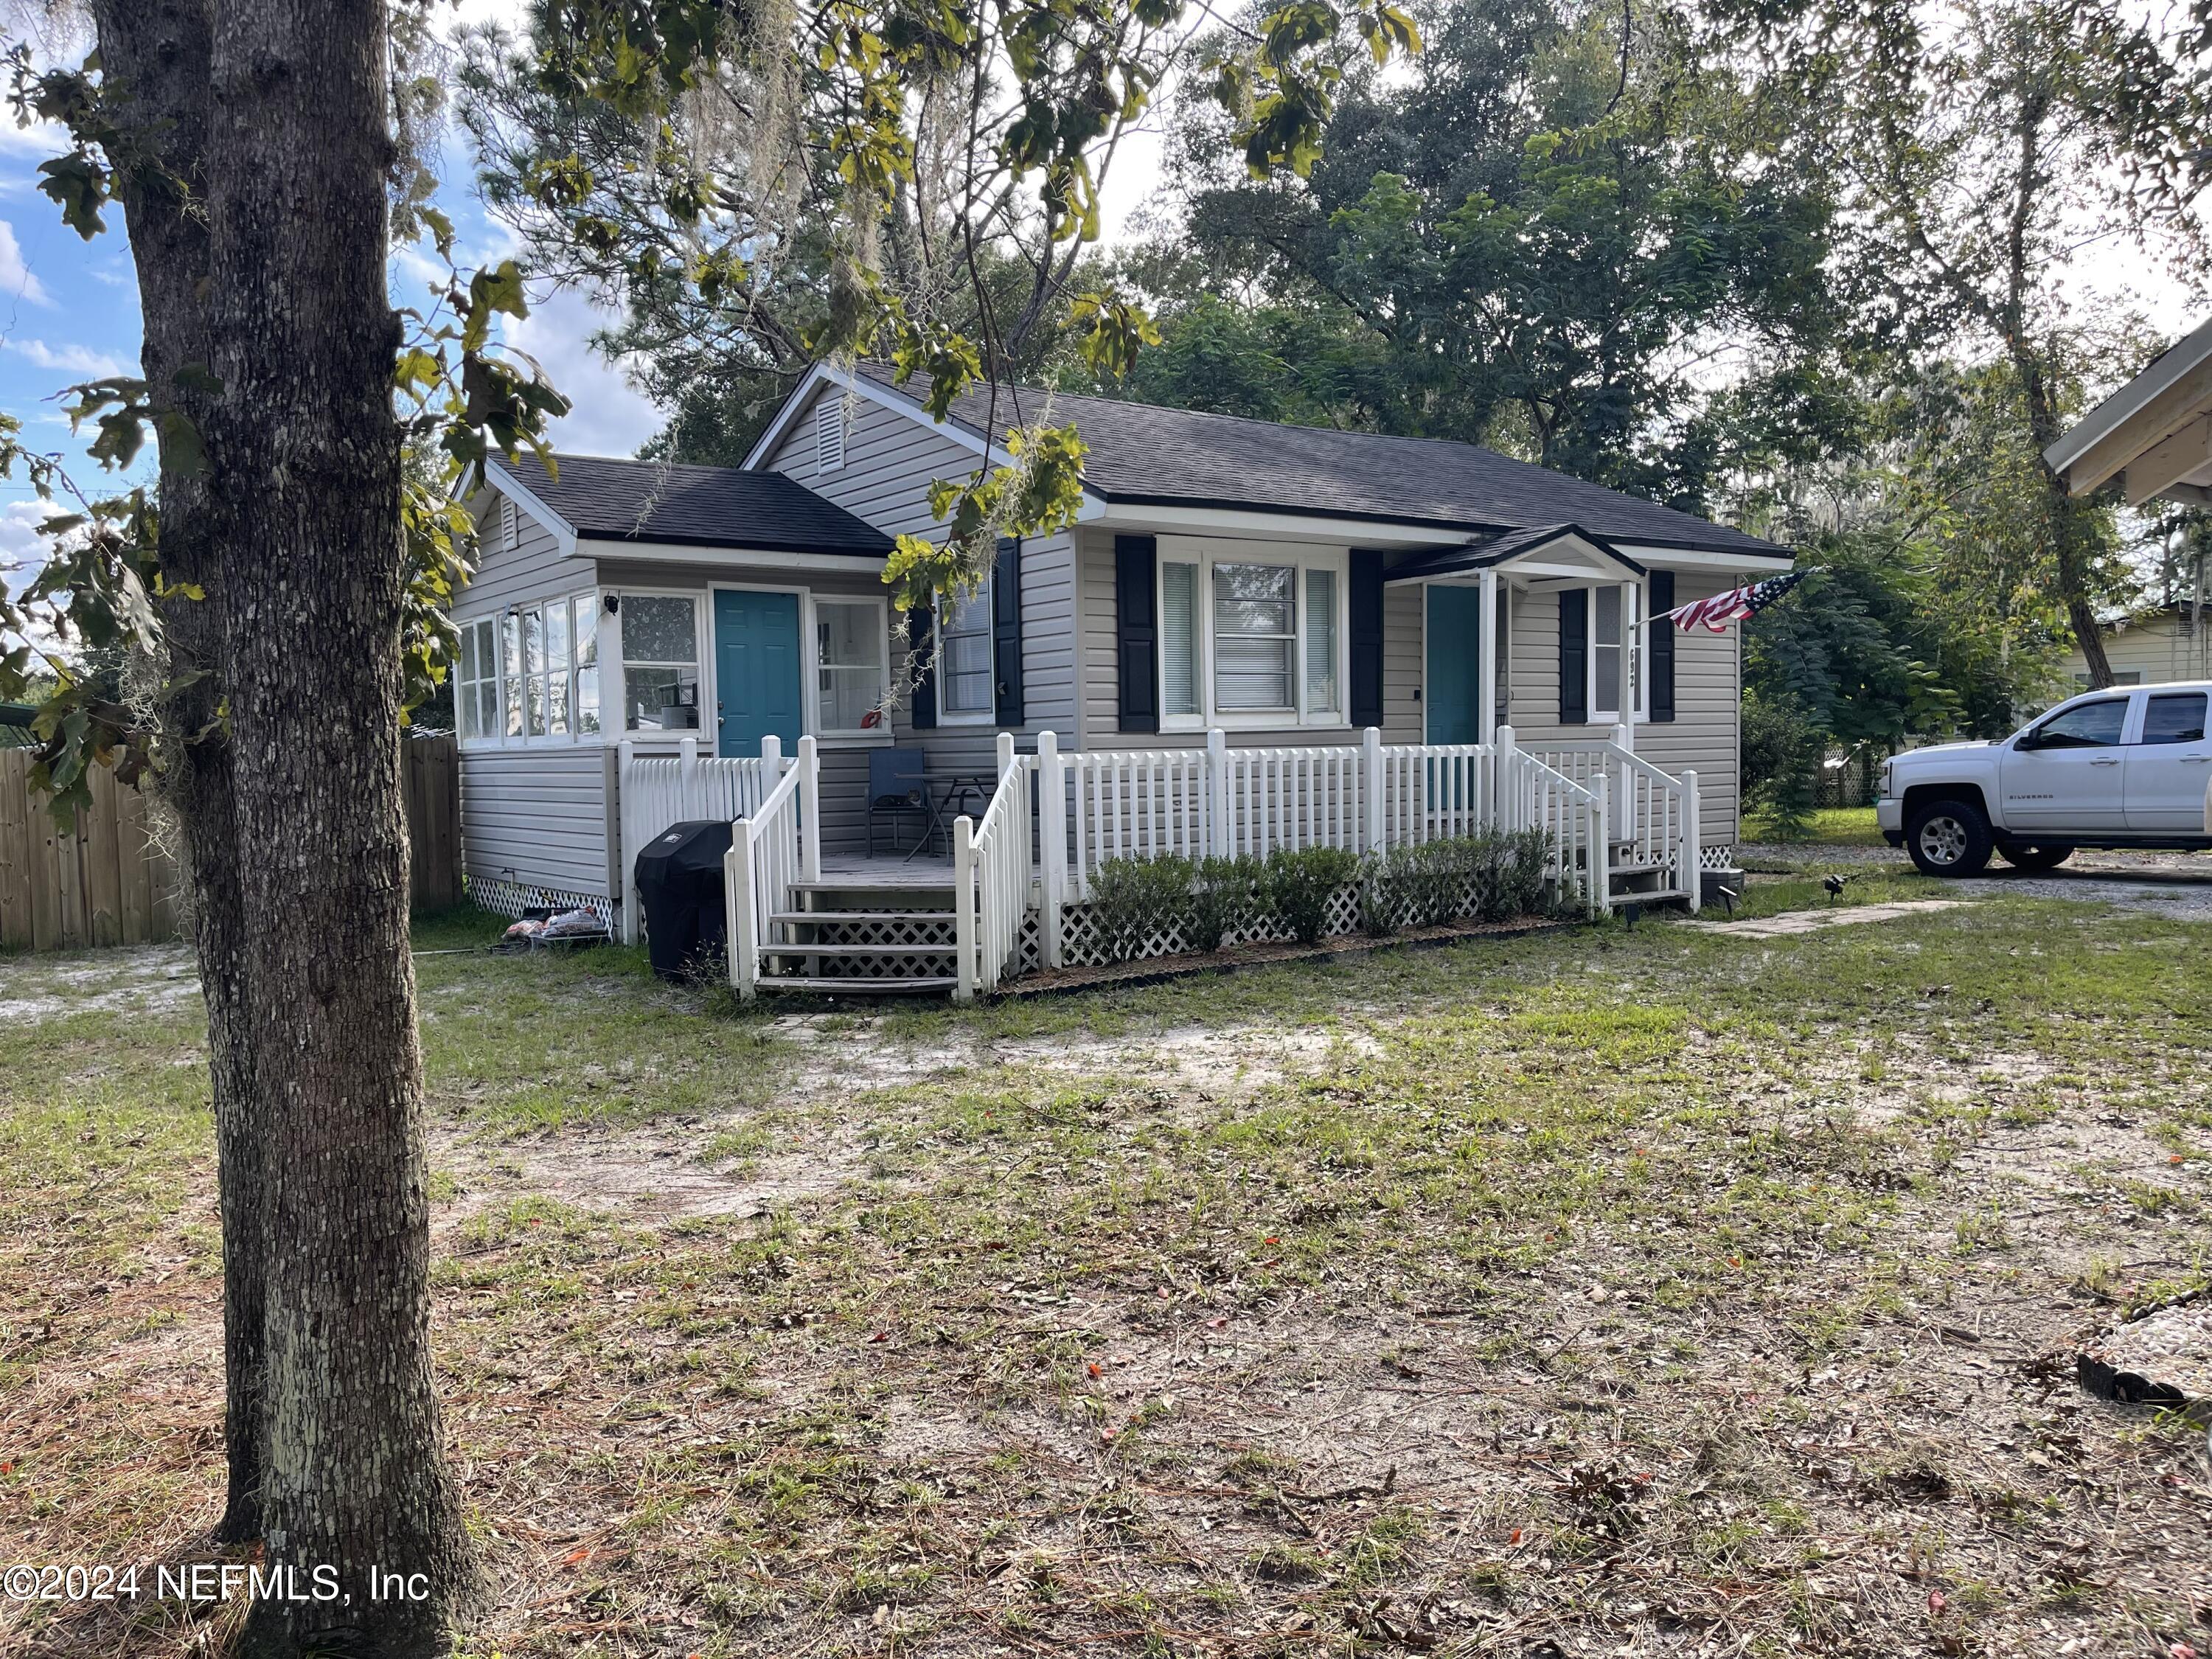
(1949, 838)
(2035, 857)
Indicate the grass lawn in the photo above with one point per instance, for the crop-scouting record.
(1831, 826)
(1662, 1291)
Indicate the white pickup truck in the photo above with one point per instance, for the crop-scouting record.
(2129, 767)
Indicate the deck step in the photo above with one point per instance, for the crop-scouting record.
(803, 948)
(850, 917)
(856, 987)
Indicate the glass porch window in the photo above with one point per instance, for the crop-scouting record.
(1321, 643)
(586, 635)
(555, 698)
(660, 663)
(1179, 639)
(510, 671)
(849, 650)
(1608, 654)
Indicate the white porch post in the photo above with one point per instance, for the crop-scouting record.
(739, 917)
(1371, 790)
(687, 774)
(1052, 832)
(1219, 831)
(1599, 868)
(1692, 854)
(810, 810)
(1486, 655)
(1504, 802)
(624, 779)
(963, 907)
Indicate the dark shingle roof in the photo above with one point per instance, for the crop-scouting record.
(1485, 551)
(626, 500)
(1171, 457)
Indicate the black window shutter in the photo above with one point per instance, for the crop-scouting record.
(1006, 631)
(1365, 637)
(1574, 656)
(1662, 646)
(921, 640)
(1136, 629)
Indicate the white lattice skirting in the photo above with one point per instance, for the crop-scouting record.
(1716, 858)
(512, 899)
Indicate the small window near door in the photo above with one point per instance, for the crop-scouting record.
(585, 609)
(2174, 717)
(1178, 639)
(1320, 644)
(964, 671)
(848, 652)
(2089, 726)
(660, 663)
(1608, 654)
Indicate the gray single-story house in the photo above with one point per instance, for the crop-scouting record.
(1282, 586)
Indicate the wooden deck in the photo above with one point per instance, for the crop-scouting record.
(926, 870)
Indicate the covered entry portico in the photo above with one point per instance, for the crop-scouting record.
(1468, 635)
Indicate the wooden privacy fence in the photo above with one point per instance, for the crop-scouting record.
(108, 881)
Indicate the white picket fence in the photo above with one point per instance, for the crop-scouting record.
(658, 790)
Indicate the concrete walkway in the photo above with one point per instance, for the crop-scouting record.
(1811, 921)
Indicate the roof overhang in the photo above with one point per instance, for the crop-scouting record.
(611, 552)
(2154, 433)
(1560, 553)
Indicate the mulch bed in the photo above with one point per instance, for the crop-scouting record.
(1153, 970)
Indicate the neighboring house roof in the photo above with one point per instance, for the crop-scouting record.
(2156, 430)
(607, 499)
(1143, 454)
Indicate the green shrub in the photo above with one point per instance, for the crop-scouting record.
(1132, 900)
(1491, 876)
(1299, 885)
(1226, 901)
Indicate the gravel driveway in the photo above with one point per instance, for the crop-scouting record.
(2178, 884)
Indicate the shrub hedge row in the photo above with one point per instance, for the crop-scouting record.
(1207, 901)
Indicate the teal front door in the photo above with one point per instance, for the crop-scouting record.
(1454, 664)
(757, 679)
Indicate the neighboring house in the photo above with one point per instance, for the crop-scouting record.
(1286, 586)
(2151, 646)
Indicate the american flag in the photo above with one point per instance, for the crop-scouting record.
(1718, 611)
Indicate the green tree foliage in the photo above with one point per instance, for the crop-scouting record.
(1568, 232)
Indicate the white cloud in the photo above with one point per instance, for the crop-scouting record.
(16, 277)
(607, 414)
(70, 359)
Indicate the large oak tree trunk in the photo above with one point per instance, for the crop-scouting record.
(306, 451)
(154, 57)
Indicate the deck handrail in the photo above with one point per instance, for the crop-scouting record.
(655, 791)
(991, 875)
(1574, 817)
(1654, 814)
(772, 849)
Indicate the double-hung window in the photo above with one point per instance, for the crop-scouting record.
(660, 663)
(965, 681)
(1253, 639)
(849, 667)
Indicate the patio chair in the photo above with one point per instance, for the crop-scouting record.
(895, 785)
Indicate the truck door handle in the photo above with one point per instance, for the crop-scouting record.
(2105, 762)
(2196, 760)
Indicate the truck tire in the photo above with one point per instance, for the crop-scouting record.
(2039, 856)
(1949, 838)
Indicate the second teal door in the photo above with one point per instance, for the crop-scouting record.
(1454, 665)
(757, 678)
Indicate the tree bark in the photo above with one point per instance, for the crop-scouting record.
(2068, 555)
(304, 449)
(154, 57)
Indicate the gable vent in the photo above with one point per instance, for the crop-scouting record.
(830, 436)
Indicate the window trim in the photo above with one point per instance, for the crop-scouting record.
(810, 606)
(1205, 552)
(591, 599)
(982, 600)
